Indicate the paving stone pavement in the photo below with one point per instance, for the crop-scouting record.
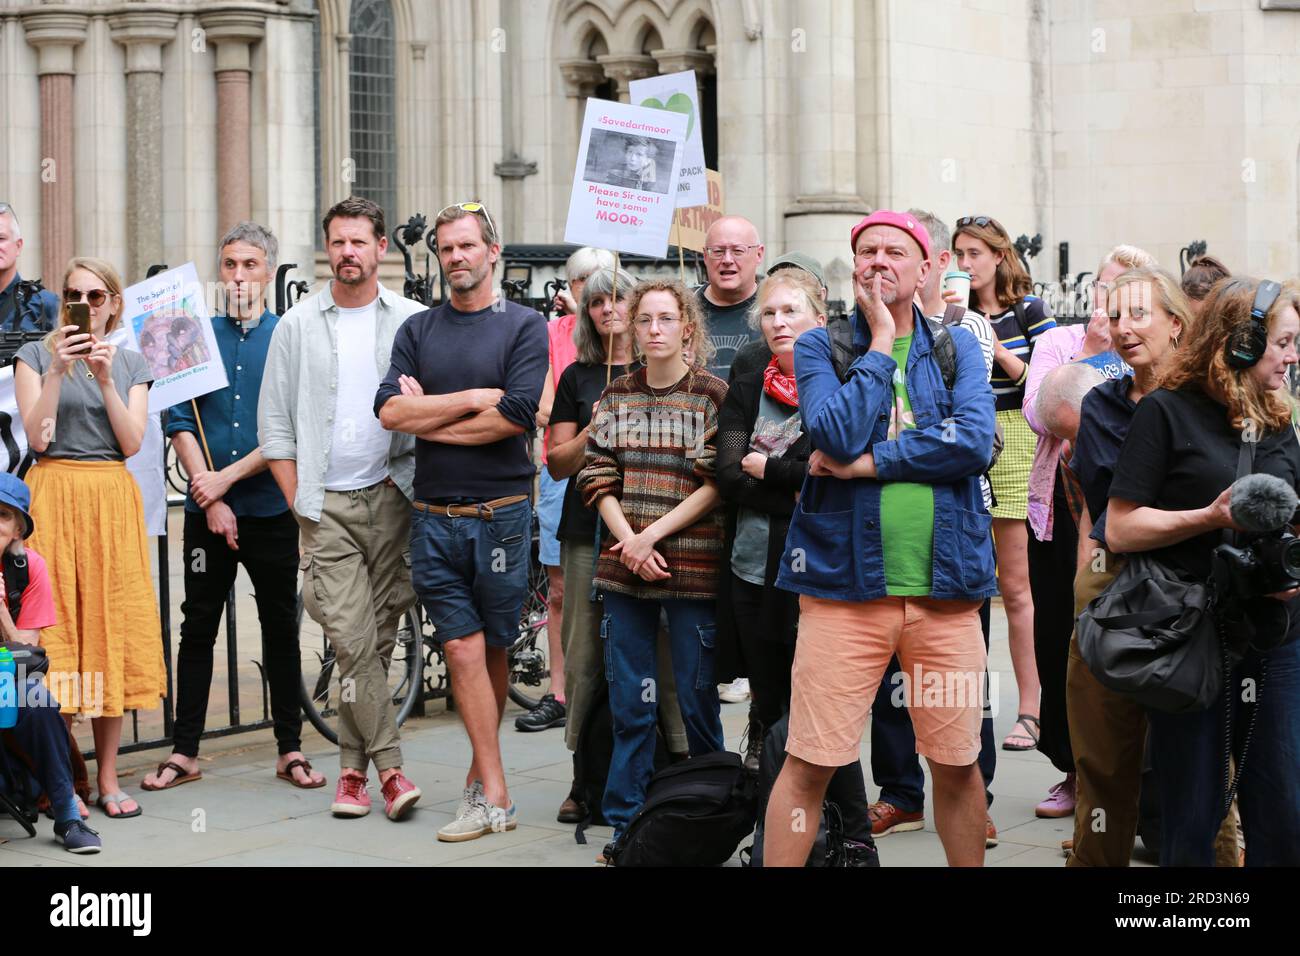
(240, 814)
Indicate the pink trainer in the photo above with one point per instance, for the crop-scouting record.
(399, 795)
(1060, 800)
(350, 798)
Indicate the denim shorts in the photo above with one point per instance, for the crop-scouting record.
(471, 574)
(550, 505)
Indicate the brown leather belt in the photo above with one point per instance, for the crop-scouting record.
(482, 509)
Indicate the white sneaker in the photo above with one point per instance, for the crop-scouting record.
(737, 692)
(481, 818)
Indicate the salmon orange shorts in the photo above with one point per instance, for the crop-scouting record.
(840, 658)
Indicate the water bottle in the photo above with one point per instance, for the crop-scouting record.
(8, 690)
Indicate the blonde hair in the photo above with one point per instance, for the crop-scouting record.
(1202, 361)
(800, 281)
(701, 345)
(102, 270)
(1130, 257)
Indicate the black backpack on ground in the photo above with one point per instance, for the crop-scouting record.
(830, 847)
(696, 812)
(595, 752)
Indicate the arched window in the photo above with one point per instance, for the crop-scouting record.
(373, 104)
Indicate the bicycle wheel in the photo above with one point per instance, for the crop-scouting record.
(530, 656)
(322, 689)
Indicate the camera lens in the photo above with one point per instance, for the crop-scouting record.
(1290, 557)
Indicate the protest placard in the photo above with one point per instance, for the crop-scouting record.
(693, 223)
(678, 93)
(625, 178)
(167, 322)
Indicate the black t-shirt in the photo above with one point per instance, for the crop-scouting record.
(579, 387)
(728, 329)
(1180, 454)
(749, 358)
(1104, 420)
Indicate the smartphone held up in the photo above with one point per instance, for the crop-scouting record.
(78, 314)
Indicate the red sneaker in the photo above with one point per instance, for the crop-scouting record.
(399, 795)
(350, 798)
(887, 818)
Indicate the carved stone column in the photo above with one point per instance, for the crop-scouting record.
(624, 68)
(143, 33)
(234, 32)
(56, 34)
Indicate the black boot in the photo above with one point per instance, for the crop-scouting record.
(753, 742)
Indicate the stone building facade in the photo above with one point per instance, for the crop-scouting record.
(138, 131)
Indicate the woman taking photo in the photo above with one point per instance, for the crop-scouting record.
(999, 290)
(1170, 495)
(650, 462)
(84, 404)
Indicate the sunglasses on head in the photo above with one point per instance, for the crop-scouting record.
(473, 207)
(95, 297)
(981, 221)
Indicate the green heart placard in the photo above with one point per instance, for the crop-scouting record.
(677, 103)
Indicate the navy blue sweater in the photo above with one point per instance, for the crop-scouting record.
(447, 351)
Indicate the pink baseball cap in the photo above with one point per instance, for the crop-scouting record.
(899, 220)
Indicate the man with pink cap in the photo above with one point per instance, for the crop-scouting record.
(889, 547)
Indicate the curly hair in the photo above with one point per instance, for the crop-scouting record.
(1202, 361)
(692, 315)
(1011, 281)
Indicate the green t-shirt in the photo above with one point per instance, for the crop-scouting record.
(906, 509)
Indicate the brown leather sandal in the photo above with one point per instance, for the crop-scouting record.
(287, 774)
(182, 776)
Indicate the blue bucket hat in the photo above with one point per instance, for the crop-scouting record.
(15, 494)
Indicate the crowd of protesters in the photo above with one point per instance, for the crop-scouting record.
(741, 497)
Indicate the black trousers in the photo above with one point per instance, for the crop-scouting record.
(1051, 583)
(268, 549)
(770, 659)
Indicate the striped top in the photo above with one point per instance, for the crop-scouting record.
(651, 448)
(1038, 319)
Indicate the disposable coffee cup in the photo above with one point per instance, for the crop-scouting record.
(958, 281)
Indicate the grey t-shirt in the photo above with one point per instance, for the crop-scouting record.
(82, 429)
(749, 551)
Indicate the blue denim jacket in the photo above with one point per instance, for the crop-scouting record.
(833, 549)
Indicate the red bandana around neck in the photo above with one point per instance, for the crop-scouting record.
(780, 386)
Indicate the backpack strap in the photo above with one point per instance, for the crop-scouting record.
(840, 331)
(843, 355)
(17, 577)
(1022, 321)
(945, 351)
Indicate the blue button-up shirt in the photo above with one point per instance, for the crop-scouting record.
(38, 312)
(230, 416)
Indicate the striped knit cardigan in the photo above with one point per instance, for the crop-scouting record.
(650, 448)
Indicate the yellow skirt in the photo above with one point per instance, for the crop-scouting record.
(1010, 476)
(90, 529)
